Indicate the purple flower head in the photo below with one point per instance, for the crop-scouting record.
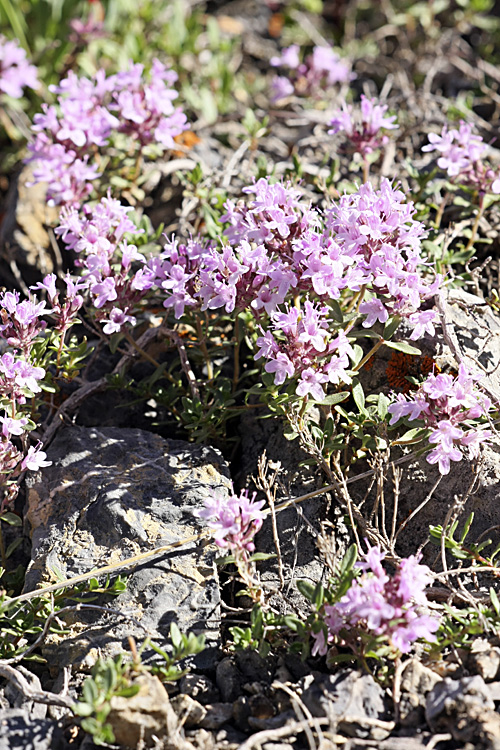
(320, 69)
(382, 604)
(311, 383)
(446, 404)
(88, 114)
(364, 127)
(289, 58)
(35, 459)
(16, 73)
(374, 311)
(376, 229)
(234, 521)
(462, 155)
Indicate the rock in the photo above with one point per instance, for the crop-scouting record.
(354, 703)
(17, 699)
(297, 526)
(202, 739)
(261, 707)
(146, 717)
(189, 711)
(423, 741)
(416, 682)
(19, 731)
(464, 708)
(241, 713)
(217, 715)
(229, 680)
(199, 687)
(24, 229)
(253, 667)
(111, 494)
(484, 660)
(476, 329)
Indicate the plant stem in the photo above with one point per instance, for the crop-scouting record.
(141, 351)
(370, 354)
(366, 169)
(236, 371)
(476, 223)
(204, 350)
(2, 548)
(442, 206)
(146, 356)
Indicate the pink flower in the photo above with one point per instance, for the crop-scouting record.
(382, 604)
(234, 521)
(374, 311)
(35, 459)
(15, 71)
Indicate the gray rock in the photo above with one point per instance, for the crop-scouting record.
(199, 687)
(111, 494)
(24, 231)
(18, 731)
(253, 667)
(298, 526)
(354, 703)
(202, 739)
(146, 718)
(475, 330)
(464, 708)
(189, 711)
(229, 680)
(416, 682)
(484, 659)
(420, 742)
(217, 715)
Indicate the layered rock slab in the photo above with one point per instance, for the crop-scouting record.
(111, 494)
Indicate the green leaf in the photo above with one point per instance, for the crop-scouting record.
(391, 327)
(128, 692)
(495, 601)
(403, 346)
(306, 589)
(337, 314)
(334, 398)
(11, 518)
(349, 560)
(415, 435)
(175, 634)
(292, 622)
(12, 547)
(358, 395)
(261, 556)
(382, 405)
(90, 692)
(15, 17)
(466, 528)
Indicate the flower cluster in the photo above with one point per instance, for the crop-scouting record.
(364, 126)
(368, 243)
(305, 350)
(21, 325)
(462, 155)
(377, 229)
(382, 605)
(88, 113)
(115, 274)
(16, 72)
(234, 521)
(322, 68)
(63, 311)
(21, 321)
(445, 402)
